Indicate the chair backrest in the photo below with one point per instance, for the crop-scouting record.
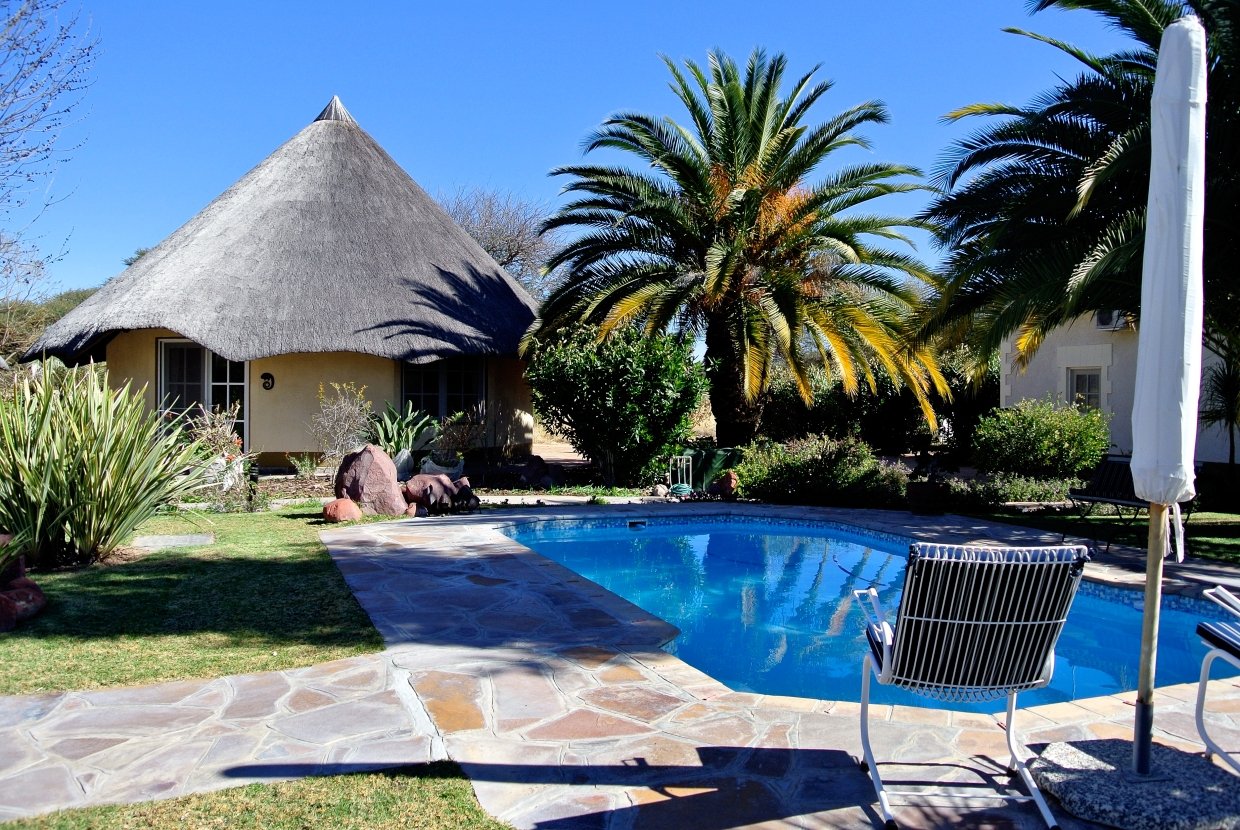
(976, 623)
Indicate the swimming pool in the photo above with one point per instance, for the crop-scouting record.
(766, 605)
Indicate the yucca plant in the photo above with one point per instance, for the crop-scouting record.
(403, 429)
(82, 465)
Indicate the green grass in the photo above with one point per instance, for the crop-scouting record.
(432, 797)
(1207, 535)
(264, 597)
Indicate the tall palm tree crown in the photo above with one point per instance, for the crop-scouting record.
(1043, 209)
(725, 237)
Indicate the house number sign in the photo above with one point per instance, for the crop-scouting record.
(269, 380)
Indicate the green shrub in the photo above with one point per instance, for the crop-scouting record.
(82, 465)
(403, 429)
(820, 470)
(625, 403)
(1002, 488)
(887, 417)
(1041, 439)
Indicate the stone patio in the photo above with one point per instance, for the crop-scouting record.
(553, 696)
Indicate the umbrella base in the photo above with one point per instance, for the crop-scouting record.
(1093, 780)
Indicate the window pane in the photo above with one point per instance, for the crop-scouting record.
(1085, 387)
(219, 369)
(182, 375)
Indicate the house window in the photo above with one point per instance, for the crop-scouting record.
(191, 376)
(445, 387)
(1085, 387)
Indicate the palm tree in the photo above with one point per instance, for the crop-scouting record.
(1221, 401)
(724, 236)
(1043, 209)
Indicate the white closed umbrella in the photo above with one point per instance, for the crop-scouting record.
(1164, 411)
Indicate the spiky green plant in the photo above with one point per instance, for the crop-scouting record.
(403, 429)
(724, 234)
(82, 465)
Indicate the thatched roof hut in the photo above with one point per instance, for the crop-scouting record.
(326, 246)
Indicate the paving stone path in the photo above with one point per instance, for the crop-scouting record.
(553, 696)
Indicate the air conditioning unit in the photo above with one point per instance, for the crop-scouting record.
(1111, 319)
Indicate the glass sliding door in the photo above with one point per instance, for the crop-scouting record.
(191, 376)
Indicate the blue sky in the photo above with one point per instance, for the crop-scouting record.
(188, 97)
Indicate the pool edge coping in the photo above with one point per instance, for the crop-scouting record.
(706, 687)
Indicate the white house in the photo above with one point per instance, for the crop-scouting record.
(1095, 360)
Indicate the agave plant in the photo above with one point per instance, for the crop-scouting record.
(82, 465)
(403, 429)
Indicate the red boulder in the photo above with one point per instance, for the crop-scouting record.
(341, 510)
(8, 614)
(368, 477)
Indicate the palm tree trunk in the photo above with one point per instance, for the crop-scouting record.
(737, 419)
(1231, 446)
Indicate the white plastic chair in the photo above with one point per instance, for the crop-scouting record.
(975, 624)
(1223, 638)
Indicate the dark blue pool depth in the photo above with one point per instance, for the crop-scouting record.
(769, 608)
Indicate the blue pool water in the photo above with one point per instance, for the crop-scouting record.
(767, 606)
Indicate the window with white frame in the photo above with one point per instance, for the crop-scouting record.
(445, 387)
(1085, 386)
(191, 376)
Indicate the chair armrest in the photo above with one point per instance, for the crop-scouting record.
(1220, 595)
(875, 617)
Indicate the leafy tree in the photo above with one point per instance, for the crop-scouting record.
(23, 320)
(624, 402)
(508, 228)
(723, 235)
(1221, 401)
(1043, 209)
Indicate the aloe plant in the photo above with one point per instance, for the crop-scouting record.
(82, 465)
(403, 429)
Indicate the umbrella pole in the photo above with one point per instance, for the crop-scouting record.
(1144, 722)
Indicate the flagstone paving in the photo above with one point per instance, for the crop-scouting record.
(553, 696)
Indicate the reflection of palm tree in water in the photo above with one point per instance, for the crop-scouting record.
(781, 597)
(845, 601)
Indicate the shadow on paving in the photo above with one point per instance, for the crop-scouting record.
(487, 598)
(733, 785)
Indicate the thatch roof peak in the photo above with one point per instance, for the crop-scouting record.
(326, 246)
(335, 111)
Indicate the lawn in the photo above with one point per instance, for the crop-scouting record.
(1207, 535)
(266, 596)
(431, 797)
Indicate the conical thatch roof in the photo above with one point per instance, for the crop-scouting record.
(328, 245)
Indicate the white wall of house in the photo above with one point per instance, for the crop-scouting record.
(1067, 359)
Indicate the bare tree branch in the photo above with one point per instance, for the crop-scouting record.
(46, 58)
(507, 228)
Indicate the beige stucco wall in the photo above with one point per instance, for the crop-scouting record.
(1083, 345)
(279, 417)
(131, 357)
(510, 408)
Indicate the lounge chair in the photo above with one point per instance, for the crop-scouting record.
(1223, 638)
(975, 624)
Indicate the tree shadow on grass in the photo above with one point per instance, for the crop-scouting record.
(298, 597)
(729, 787)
